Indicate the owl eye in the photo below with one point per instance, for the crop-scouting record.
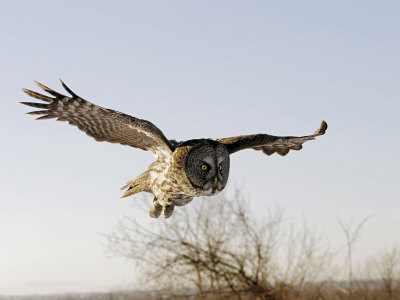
(204, 167)
(220, 167)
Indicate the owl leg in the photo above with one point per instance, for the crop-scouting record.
(168, 210)
(155, 209)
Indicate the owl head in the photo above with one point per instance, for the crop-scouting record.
(207, 167)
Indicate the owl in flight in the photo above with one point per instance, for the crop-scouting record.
(183, 170)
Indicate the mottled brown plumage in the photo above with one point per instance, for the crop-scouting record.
(183, 170)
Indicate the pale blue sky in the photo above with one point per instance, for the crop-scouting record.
(220, 68)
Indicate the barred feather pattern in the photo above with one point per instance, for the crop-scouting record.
(166, 180)
(177, 175)
(100, 123)
(270, 144)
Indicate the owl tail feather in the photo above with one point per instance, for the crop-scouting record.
(131, 190)
(137, 185)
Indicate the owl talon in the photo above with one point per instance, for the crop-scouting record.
(168, 211)
(155, 210)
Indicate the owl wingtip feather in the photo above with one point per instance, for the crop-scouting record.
(38, 83)
(322, 128)
(68, 89)
(42, 86)
(37, 95)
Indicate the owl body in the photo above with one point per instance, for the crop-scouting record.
(195, 168)
(183, 170)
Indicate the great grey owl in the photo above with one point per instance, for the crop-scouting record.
(183, 170)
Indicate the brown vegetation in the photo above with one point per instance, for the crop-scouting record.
(218, 249)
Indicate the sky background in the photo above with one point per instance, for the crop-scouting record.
(195, 69)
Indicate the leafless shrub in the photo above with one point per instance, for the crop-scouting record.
(388, 266)
(383, 275)
(217, 249)
(220, 248)
(352, 233)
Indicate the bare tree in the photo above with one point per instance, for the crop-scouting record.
(388, 266)
(219, 246)
(352, 233)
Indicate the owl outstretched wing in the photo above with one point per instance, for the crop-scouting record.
(270, 144)
(100, 123)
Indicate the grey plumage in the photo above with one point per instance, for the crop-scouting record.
(183, 170)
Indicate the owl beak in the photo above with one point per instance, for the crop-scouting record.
(215, 179)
